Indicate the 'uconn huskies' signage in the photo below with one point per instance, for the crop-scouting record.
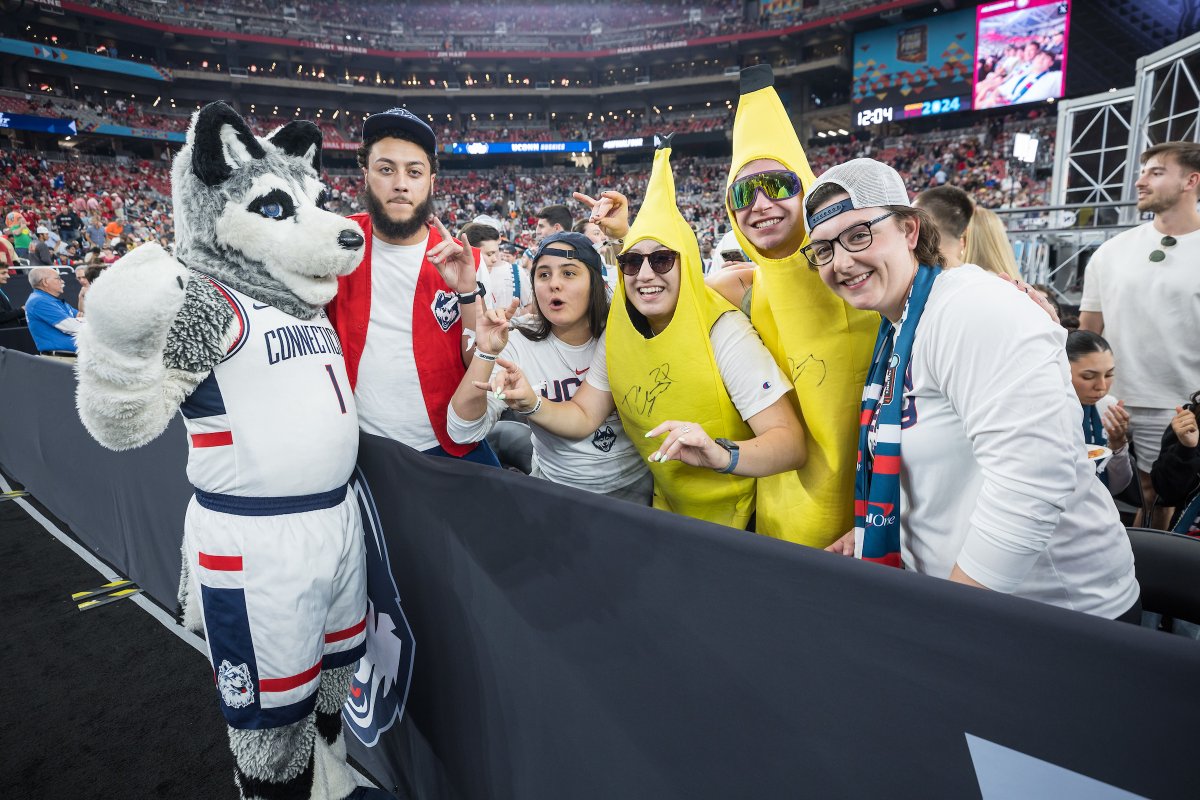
(489, 148)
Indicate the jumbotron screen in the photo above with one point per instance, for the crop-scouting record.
(913, 70)
(1021, 52)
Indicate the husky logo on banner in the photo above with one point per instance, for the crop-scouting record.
(380, 685)
(445, 309)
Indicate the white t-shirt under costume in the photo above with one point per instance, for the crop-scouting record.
(1148, 307)
(602, 462)
(994, 472)
(751, 376)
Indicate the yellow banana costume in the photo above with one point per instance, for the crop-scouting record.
(821, 343)
(674, 375)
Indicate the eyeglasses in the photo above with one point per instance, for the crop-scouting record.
(661, 261)
(1159, 255)
(853, 239)
(776, 184)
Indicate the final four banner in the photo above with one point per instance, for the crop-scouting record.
(531, 641)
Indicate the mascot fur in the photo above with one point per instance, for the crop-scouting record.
(231, 332)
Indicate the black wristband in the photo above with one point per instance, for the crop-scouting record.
(469, 297)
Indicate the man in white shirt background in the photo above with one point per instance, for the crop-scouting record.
(1142, 292)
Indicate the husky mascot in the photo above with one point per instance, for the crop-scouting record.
(231, 332)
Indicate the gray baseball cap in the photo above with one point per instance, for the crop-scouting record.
(869, 183)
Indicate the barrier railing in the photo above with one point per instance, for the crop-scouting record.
(529, 640)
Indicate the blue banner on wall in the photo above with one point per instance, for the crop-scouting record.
(490, 148)
(24, 122)
(136, 133)
(83, 60)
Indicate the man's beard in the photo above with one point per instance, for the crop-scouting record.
(389, 228)
(1156, 203)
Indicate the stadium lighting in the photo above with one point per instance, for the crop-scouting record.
(821, 134)
(157, 100)
(336, 112)
(843, 132)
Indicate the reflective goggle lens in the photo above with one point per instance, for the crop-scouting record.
(776, 185)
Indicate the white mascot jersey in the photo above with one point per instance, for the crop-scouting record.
(276, 417)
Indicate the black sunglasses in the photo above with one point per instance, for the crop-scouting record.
(661, 261)
(1159, 255)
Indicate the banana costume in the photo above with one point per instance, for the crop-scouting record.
(821, 343)
(674, 375)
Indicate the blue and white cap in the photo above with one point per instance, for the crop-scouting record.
(869, 183)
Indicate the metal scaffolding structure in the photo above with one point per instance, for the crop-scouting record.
(1096, 165)
(1091, 148)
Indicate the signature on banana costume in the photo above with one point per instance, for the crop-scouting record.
(821, 343)
(674, 375)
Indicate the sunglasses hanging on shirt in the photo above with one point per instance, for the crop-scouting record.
(1159, 255)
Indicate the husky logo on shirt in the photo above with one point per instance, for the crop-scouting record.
(235, 685)
(604, 438)
(379, 688)
(445, 309)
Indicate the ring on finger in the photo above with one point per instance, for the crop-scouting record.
(685, 429)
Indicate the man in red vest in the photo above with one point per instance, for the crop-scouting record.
(401, 315)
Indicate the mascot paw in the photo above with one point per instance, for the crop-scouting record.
(131, 308)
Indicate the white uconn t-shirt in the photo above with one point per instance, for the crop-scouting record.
(389, 396)
(276, 417)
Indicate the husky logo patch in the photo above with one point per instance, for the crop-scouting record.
(379, 688)
(445, 309)
(604, 438)
(235, 685)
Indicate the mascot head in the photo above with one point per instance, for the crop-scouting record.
(249, 211)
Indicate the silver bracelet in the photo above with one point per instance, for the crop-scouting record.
(484, 356)
(531, 411)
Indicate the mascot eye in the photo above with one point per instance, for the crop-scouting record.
(275, 204)
(322, 199)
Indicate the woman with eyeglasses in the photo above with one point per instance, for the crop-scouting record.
(696, 390)
(972, 461)
(571, 304)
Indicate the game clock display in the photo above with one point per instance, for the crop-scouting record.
(926, 108)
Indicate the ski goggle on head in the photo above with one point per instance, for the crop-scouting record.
(776, 184)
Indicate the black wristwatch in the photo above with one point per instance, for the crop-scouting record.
(734, 451)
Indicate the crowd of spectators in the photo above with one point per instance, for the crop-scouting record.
(137, 193)
(462, 25)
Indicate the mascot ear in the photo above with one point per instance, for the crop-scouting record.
(221, 143)
(300, 139)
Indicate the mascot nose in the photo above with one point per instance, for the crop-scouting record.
(350, 240)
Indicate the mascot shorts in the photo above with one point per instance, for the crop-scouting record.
(282, 587)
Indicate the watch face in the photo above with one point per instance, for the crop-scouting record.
(727, 444)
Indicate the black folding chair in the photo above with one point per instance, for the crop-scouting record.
(1168, 569)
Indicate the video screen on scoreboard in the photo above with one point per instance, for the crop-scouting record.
(1020, 52)
(913, 70)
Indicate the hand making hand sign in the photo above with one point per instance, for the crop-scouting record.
(454, 262)
(610, 211)
(688, 442)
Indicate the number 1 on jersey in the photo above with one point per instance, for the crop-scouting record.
(337, 389)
